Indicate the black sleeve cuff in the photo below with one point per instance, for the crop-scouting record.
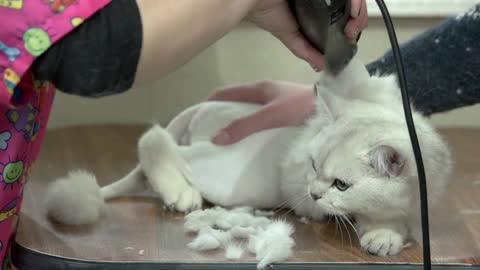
(99, 57)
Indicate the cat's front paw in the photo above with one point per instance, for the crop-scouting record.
(382, 242)
(185, 200)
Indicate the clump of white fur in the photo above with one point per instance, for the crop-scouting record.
(75, 199)
(204, 242)
(264, 213)
(223, 219)
(233, 251)
(242, 232)
(272, 244)
(209, 239)
(270, 240)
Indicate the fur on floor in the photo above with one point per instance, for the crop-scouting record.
(235, 230)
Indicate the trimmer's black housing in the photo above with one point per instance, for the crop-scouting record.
(323, 23)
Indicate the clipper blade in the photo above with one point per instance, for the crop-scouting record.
(323, 24)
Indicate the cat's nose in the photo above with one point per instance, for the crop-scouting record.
(315, 196)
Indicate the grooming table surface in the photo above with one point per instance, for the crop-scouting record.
(138, 229)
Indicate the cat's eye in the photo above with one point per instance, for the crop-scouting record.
(340, 185)
(313, 165)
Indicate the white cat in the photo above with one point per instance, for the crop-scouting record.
(352, 157)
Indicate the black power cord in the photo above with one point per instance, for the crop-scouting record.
(427, 264)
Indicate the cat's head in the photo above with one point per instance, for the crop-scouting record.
(359, 170)
(360, 158)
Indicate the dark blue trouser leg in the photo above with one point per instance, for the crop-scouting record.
(442, 64)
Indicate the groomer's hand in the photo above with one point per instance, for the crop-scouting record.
(358, 19)
(285, 104)
(275, 17)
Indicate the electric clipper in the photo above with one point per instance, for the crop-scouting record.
(323, 24)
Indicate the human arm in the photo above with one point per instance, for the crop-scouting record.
(131, 43)
(442, 64)
(177, 30)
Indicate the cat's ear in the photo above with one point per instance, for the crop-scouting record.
(387, 161)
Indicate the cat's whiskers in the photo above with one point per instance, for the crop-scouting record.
(348, 231)
(340, 228)
(291, 200)
(353, 227)
(329, 219)
(303, 198)
(336, 226)
(280, 206)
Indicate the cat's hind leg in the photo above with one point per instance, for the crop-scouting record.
(166, 171)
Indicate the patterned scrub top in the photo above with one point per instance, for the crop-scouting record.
(27, 29)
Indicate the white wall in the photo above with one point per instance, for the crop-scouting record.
(245, 54)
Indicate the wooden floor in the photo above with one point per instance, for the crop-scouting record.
(138, 229)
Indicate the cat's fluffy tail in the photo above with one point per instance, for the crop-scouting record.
(77, 199)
